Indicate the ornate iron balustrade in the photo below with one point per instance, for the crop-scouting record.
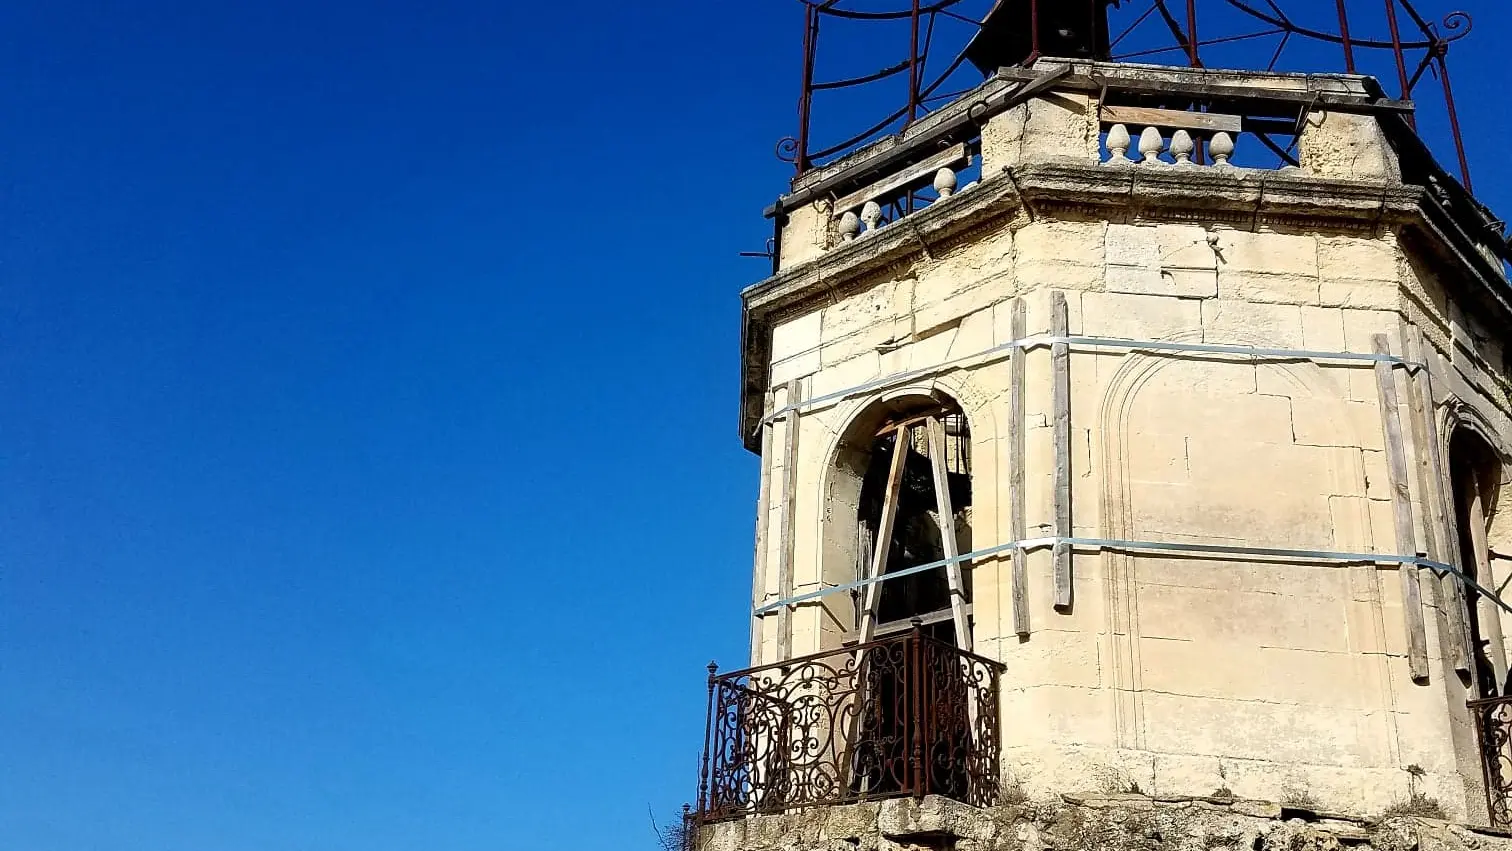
(907, 715)
(1493, 726)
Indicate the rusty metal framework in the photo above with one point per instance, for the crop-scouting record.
(907, 715)
(1190, 32)
(1493, 726)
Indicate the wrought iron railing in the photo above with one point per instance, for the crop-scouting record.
(907, 715)
(1493, 727)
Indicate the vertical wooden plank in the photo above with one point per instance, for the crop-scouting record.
(1401, 511)
(789, 521)
(1437, 532)
(884, 534)
(1476, 517)
(763, 520)
(1060, 361)
(953, 577)
(1018, 526)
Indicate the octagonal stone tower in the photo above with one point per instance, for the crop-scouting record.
(1094, 460)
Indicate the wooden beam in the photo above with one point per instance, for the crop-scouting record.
(763, 520)
(1248, 99)
(1060, 362)
(1401, 512)
(882, 630)
(884, 534)
(935, 431)
(1174, 119)
(1475, 515)
(789, 521)
(917, 172)
(1018, 527)
(1438, 533)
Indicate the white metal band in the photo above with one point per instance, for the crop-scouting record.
(1437, 567)
(1079, 342)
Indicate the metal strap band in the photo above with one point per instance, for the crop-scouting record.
(1079, 342)
(1028, 544)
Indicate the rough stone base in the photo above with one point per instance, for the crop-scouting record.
(1090, 822)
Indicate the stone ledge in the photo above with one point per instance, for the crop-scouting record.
(1091, 821)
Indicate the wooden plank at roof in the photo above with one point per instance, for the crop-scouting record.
(884, 534)
(1060, 361)
(914, 173)
(935, 431)
(1401, 513)
(1173, 119)
(1018, 526)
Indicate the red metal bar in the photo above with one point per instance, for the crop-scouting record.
(1401, 58)
(1349, 63)
(806, 99)
(1034, 42)
(1440, 51)
(913, 63)
(1192, 56)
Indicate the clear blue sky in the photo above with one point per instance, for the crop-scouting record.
(368, 467)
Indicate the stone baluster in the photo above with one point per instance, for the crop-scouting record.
(1182, 147)
(871, 213)
(1150, 145)
(1118, 145)
(850, 225)
(945, 182)
(1221, 146)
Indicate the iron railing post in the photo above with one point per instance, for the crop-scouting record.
(704, 804)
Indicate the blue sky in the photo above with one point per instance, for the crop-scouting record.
(369, 476)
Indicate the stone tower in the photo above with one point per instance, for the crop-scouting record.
(1119, 488)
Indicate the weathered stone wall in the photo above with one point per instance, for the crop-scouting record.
(1173, 670)
(1098, 822)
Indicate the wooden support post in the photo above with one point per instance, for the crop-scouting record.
(789, 521)
(884, 534)
(1018, 527)
(763, 512)
(1401, 510)
(1060, 360)
(953, 574)
(1475, 515)
(1438, 533)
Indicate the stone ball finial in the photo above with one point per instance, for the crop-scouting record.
(1182, 147)
(871, 213)
(1150, 145)
(1221, 146)
(945, 182)
(1118, 144)
(850, 225)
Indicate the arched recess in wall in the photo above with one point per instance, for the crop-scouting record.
(857, 496)
(1224, 451)
(1475, 472)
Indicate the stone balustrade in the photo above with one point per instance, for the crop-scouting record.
(1183, 148)
(872, 215)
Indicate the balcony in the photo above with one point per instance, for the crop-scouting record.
(905, 715)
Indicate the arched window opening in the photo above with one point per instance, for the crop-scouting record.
(907, 507)
(1475, 478)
